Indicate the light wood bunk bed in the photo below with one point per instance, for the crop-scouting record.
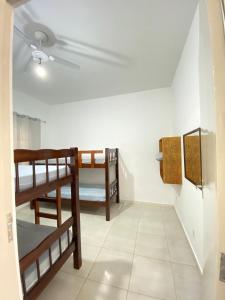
(89, 194)
(43, 249)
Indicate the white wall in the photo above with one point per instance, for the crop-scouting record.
(26, 105)
(189, 202)
(194, 107)
(134, 123)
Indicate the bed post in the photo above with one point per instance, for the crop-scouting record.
(75, 207)
(117, 176)
(107, 181)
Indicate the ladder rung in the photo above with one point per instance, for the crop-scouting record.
(47, 216)
(48, 200)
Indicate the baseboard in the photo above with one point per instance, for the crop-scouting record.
(189, 241)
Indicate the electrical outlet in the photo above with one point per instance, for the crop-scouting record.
(9, 220)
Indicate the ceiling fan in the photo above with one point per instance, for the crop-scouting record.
(38, 37)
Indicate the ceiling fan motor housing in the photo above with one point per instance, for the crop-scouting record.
(39, 56)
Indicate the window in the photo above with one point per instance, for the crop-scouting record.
(26, 132)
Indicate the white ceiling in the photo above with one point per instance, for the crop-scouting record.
(123, 46)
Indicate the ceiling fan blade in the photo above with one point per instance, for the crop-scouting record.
(61, 42)
(27, 15)
(94, 58)
(93, 52)
(64, 62)
(22, 35)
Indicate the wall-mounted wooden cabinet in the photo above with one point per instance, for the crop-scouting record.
(170, 165)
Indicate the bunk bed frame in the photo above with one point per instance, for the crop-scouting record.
(23, 196)
(111, 188)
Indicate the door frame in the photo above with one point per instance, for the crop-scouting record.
(217, 36)
(10, 286)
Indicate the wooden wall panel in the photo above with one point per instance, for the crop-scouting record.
(170, 166)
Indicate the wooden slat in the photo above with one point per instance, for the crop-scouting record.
(22, 276)
(50, 256)
(38, 269)
(47, 171)
(17, 178)
(92, 164)
(47, 200)
(47, 216)
(36, 211)
(57, 166)
(27, 195)
(66, 163)
(24, 155)
(58, 206)
(117, 176)
(34, 174)
(30, 258)
(46, 278)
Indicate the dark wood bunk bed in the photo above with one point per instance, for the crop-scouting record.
(44, 249)
(90, 195)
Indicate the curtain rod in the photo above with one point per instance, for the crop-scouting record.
(29, 117)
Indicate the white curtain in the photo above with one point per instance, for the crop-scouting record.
(27, 132)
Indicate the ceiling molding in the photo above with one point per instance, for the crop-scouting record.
(16, 3)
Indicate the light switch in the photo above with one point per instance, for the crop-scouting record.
(222, 268)
(9, 227)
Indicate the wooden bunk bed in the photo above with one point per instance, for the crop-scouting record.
(44, 249)
(90, 195)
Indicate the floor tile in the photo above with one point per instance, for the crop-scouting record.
(134, 296)
(92, 238)
(63, 286)
(89, 254)
(174, 230)
(123, 231)
(147, 225)
(152, 278)
(187, 282)
(112, 268)
(153, 246)
(152, 233)
(116, 242)
(183, 255)
(98, 291)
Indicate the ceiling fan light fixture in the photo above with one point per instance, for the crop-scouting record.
(51, 58)
(40, 71)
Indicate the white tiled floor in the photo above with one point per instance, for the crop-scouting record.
(141, 254)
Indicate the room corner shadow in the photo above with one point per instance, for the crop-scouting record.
(127, 192)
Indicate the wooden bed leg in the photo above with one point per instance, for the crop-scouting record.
(75, 207)
(37, 210)
(107, 210)
(32, 204)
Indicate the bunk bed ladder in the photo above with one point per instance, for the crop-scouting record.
(58, 204)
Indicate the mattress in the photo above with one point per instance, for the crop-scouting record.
(90, 192)
(99, 158)
(29, 237)
(26, 175)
